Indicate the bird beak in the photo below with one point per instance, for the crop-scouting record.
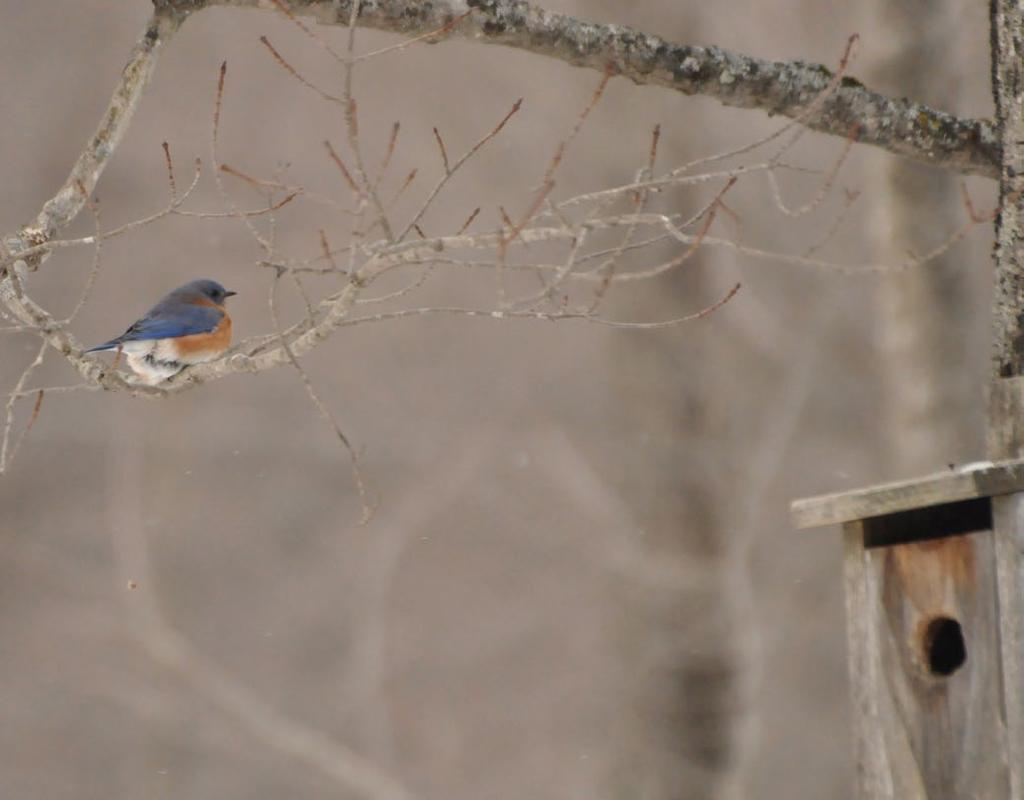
(230, 294)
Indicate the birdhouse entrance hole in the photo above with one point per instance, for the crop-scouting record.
(944, 648)
(941, 641)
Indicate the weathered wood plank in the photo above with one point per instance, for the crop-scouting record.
(925, 668)
(1008, 520)
(1006, 440)
(979, 480)
(873, 776)
(1006, 419)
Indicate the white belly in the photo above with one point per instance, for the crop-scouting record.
(156, 360)
(152, 371)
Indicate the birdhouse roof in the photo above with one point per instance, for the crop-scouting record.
(979, 479)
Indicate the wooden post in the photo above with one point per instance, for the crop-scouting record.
(870, 758)
(1008, 517)
(1006, 439)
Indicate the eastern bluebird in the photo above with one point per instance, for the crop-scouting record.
(188, 326)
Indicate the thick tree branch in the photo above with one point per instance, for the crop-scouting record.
(786, 88)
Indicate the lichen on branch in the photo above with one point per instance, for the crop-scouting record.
(785, 88)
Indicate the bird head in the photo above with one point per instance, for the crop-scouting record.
(205, 289)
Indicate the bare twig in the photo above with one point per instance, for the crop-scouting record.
(607, 269)
(389, 153)
(455, 168)
(343, 169)
(287, 67)
(468, 222)
(823, 190)
(554, 316)
(325, 412)
(90, 281)
(7, 452)
(444, 152)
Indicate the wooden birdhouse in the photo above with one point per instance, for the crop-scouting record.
(933, 620)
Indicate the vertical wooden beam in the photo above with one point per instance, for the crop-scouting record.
(1008, 520)
(1006, 440)
(872, 767)
(1006, 419)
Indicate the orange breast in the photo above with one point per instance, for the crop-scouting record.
(204, 346)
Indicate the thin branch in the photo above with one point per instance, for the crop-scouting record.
(433, 35)
(824, 188)
(849, 199)
(287, 67)
(233, 210)
(97, 260)
(405, 185)
(468, 222)
(7, 452)
(172, 209)
(343, 169)
(444, 151)
(455, 168)
(607, 268)
(325, 412)
(553, 316)
(388, 154)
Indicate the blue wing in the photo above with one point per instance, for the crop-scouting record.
(166, 321)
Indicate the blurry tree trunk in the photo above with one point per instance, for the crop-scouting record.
(679, 646)
(671, 435)
(683, 450)
(929, 414)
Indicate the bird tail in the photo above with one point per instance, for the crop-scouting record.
(112, 344)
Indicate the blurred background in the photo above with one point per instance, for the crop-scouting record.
(581, 580)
